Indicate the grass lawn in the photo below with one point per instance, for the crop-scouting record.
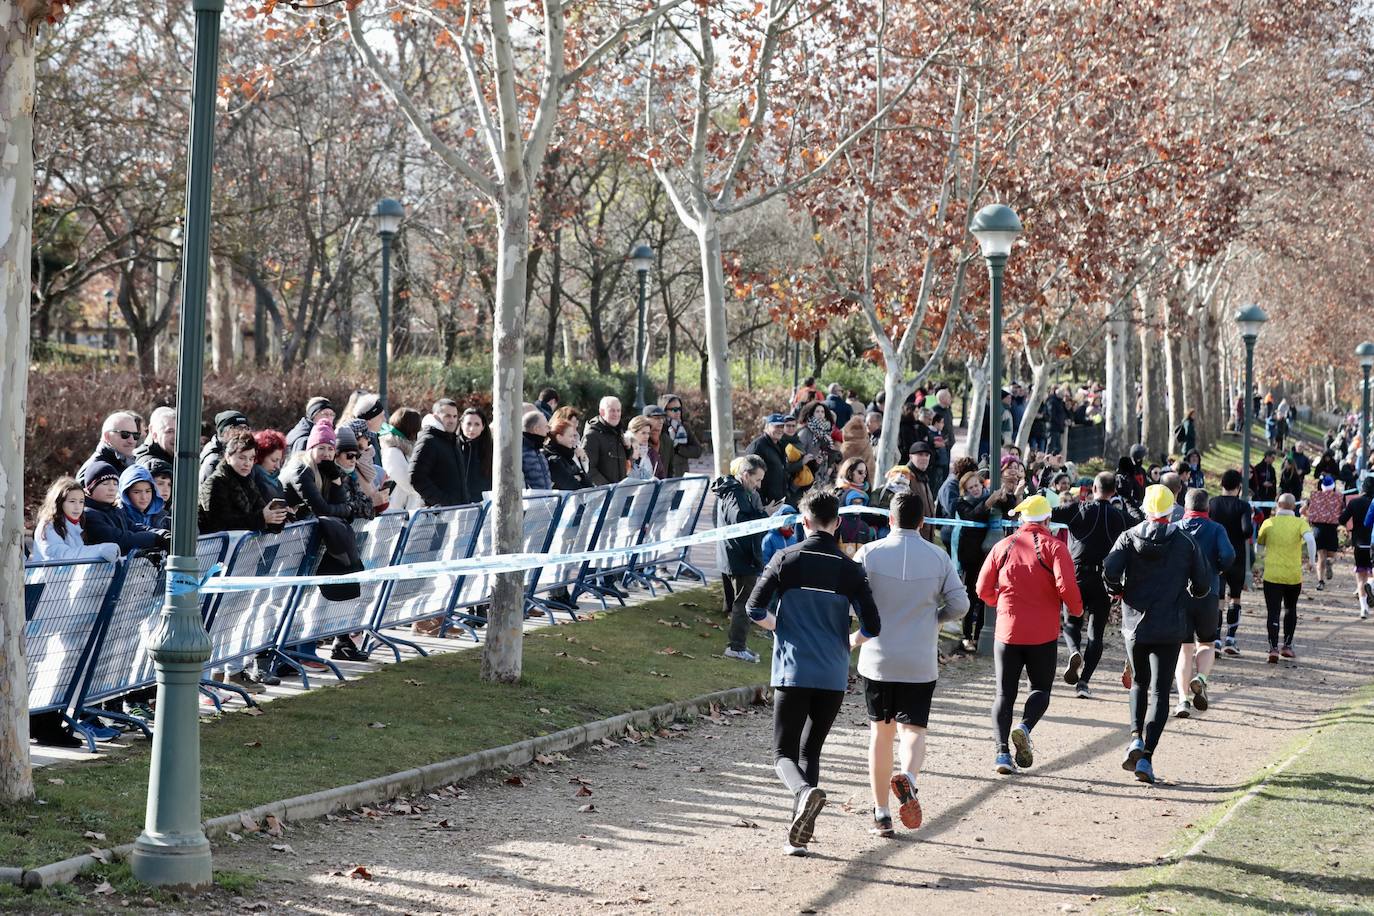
(432, 709)
(1302, 845)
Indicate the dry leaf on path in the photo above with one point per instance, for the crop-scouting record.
(237, 838)
(376, 725)
(639, 766)
(252, 744)
(92, 835)
(249, 823)
(515, 780)
(746, 823)
(361, 872)
(586, 809)
(275, 825)
(414, 683)
(582, 792)
(104, 887)
(283, 848)
(253, 711)
(100, 855)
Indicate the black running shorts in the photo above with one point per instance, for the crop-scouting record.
(1363, 561)
(1234, 577)
(1206, 619)
(890, 701)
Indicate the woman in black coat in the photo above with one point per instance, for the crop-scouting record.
(229, 498)
(564, 469)
(474, 453)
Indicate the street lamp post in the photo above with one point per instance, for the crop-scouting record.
(1365, 352)
(173, 850)
(643, 260)
(106, 337)
(388, 216)
(997, 228)
(1249, 319)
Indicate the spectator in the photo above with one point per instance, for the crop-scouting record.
(368, 407)
(606, 451)
(564, 471)
(354, 456)
(213, 451)
(780, 538)
(873, 425)
(1057, 419)
(436, 471)
(139, 499)
(575, 415)
(311, 476)
(943, 399)
(939, 452)
(792, 453)
(1017, 406)
(102, 520)
(398, 437)
(547, 403)
(118, 440)
(162, 479)
(807, 393)
(855, 442)
(949, 491)
(316, 409)
(815, 424)
(740, 559)
(474, 453)
(161, 443)
(677, 444)
(57, 531)
(1185, 435)
(856, 406)
(852, 489)
(777, 470)
(919, 462)
(229, 499)
(656, 415)
(532, 461)
(838, 406)
(908, 429)
(1193, 466)
(641, 466)
(269, 451)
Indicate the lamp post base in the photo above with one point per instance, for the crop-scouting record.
(180, 862)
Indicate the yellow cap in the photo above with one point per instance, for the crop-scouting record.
(1033, 509)
(1159, 501)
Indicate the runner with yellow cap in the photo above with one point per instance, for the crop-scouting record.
(1028, 577)
(1150, 568)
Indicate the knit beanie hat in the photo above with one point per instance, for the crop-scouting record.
(97, 473)
(368, 406)
(322, 434)
(314, 406)
(347, 439)
(359, 427)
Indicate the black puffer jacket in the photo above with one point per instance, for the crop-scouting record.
(304, 491)
(104, 523)
(742, 556)
(436, 471)
(231, 502)
(566, 473)
(1155, 568)
(149, 452)
(474, 455)
(607, 456)
(778, 473)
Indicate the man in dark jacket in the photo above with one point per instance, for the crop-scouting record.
(779, 471)
(118, 439)
(1195, 661)
(435, 471)
(213, 451)
(817, 586)
(1093, 531)
(740, 559)
(1131, 477)
(604, 443)
(919, 462)
(161, 443)
(1056, 421)
(547, 403)
(316, 409)
(1238, 518)
(1153, 568)
(838, 406)
(533, 464)
(1264, 483)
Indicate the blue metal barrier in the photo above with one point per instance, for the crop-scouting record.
(622, 526)
(63, 605)
(431, 535)
(578, 522)
(676, 512)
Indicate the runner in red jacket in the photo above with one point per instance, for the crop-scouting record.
(1028, 576)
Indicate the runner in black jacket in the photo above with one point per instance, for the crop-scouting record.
(1093, 530)
(1238, 518)
(1356, 515)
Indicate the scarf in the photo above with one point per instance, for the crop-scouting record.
(818, 425)
(1196, 513)
(677, 431)
(389, 430)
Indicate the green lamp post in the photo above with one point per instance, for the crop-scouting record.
(1365, 352)
(172, 850)
(1249, 319)
(387, 216)
(642, 259)
(997, 228)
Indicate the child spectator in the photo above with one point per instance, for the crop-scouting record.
(57, 533)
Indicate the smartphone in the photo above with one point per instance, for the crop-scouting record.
(277, 505)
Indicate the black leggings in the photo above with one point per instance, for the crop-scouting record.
(1152, 674)
(1282, 599)
(1096, 607)
(802, 717)
(1010, 660)
(973, 620)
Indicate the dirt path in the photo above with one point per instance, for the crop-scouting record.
(664, 835)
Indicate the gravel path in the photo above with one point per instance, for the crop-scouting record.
(693, 820)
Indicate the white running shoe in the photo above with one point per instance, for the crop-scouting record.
(789, 850)
(743, 655)
(1364, 613)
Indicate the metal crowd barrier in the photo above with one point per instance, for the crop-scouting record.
(89, 622)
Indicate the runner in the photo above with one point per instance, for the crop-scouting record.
(1358, 516)
(916, 588)
(1235, 515)
(1027, 576)
(1323, 513)
(817, 585)
(1196, 663)
(1093, 529)
(1283, 536)
(1151, 568)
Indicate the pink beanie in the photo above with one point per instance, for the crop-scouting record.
(322, 434)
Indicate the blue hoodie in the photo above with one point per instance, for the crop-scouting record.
(775, 540)
(155, 517)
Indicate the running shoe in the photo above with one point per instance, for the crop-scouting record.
(1025, 751)
(243, 680)
(1231, 649)
(1126, 677)
(789, 850)
(882, 826)
(743, 655)
(1216, 645)
(969, 646)
(1273, 655)
(1134, 753)
(100, 732)
(1183, 710)
(1364, 613)
(1287, 652)
(909, 806)
(1004, 764)
(1369, 591)
(312, 664)
(1144, 770)
(809, 805)
(1075, 666)
(1321, 585)
(1198, 685)
(139, 711)
(1082, 691)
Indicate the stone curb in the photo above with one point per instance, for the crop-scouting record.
(406, 782)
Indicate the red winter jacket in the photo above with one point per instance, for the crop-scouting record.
(1028, 576)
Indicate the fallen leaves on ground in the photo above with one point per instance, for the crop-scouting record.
(253, 711)
(414, 683)
(376, 725)
(274, 825)
(745, 823)
(249, 823)
(582, 792)
(252, 744)
(515, 779)
(586, 809)
(283, 848)
(361, 872)
(104, 887)
(92, 835)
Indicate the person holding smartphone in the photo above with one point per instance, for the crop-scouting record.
(230, 500)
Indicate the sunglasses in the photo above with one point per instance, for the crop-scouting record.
(350, 455)
(125, 433)
(673, 409)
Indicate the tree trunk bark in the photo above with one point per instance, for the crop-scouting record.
(717, 342)
(977, 407)
(222, 317)
(1173, 369)
(672, 353)
(18, 24)
(1153, 432)
(1040, 386)
(1119, 396)
(895, 392)
(1192, 380)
